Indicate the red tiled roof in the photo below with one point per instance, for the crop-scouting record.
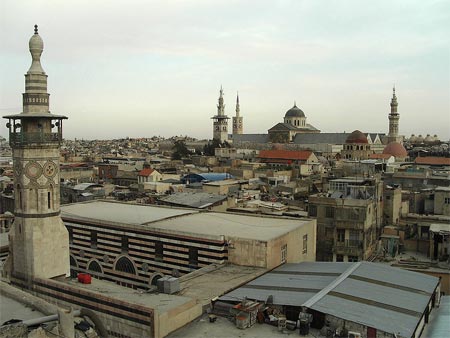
(433, 160)
(285, 154)
(146, 172)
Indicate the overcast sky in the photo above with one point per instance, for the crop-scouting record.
(143, 68)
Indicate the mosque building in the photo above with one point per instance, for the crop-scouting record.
(294, 123)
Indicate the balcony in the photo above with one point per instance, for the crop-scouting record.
(348, 247)
(25, 138)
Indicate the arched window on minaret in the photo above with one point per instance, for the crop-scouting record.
(50, 195)
(19, 191)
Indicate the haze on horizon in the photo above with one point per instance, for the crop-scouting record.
(143, 68)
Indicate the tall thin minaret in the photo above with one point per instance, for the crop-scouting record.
(39, 241)
(237, 120)
(220, 121)
(394, 118)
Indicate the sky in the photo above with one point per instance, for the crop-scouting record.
(142, 68)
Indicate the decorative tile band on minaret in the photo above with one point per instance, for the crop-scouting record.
(39, 241)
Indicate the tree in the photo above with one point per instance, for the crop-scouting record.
(180, 150)
(209, 148)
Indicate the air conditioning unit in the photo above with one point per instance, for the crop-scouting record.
(352, 334)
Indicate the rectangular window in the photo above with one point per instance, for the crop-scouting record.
(94, 239)
(352, 258)
(284, 253)
(305, 244)
(49, 196)
(340, 235)
(193, 257)
(339, 258)
(329, 212)
(353, 214)
(447, 200)
(313, 210)
(124, 245)
(159, 251)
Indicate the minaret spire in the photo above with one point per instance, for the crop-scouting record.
(221, 106)
(394, 118)
(220, 121)
(237, 120)
(38, 238)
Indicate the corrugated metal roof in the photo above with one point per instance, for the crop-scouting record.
(378, 318)
(376, 295)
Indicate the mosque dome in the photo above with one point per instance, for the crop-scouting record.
(395, 149)
(356, 137)
(294, 112)
(429, 139)
(413, 138)
(419, 139)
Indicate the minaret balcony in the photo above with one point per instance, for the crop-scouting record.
(26, 138)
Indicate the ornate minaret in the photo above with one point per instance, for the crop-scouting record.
(237, 120)
(394, 117)
(39, 244)
(220, 121)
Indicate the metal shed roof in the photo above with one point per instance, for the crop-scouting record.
(376, 295)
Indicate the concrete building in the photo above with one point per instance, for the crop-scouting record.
(197, 200)
(442, 201)
(348, 219)
(38, 233)
(305, 161)
(356, 147)
(149, 175)
(220, 121)
(81, 192)
(392, 205)
(440, 242)
(136, 244)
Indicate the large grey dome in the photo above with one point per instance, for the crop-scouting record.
(295, 112)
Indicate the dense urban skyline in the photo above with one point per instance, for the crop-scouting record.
(145, 68)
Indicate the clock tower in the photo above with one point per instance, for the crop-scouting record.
(39, 241)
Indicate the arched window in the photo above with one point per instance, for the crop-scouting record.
(73, 267)
(95, 266)
(124, 264)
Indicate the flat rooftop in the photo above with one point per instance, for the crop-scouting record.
(261, 228)
(215, 280)
(12, 309)
(159, 301)
(170, 219)
(109, 211)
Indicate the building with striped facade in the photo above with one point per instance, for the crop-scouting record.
(134, 245)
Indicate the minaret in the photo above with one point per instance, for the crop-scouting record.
(394, 118)
(39, 241)
(237, 120)
(220, 121)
